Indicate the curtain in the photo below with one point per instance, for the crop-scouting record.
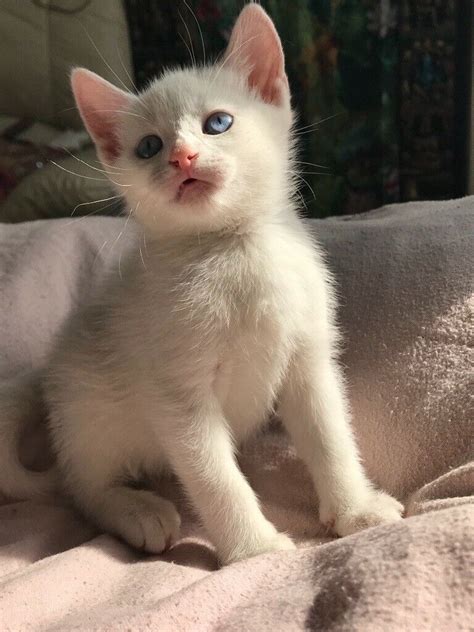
(349, 63)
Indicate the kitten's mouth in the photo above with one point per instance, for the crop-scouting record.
(192, 188)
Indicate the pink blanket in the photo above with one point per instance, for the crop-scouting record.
(406, 280)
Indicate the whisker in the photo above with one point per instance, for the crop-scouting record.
(141, 257)
(89, 177)
(308, 131)
(297, 175)
(98, 253)
(298, 193)
(313, 126)
(87, 164)
(125, 69)
(119, 236)
(316, 123)
(106, 164)
(83, 217)
(193, 58)
(125, 112)
(103, 58)
(77, 174)
(234, 52)
(113, 197)
(144, 242)
(315, 173)
(131, 212)
(311, 164)
(199, 29)
(187, 47)
(135, 87)
(73, 107)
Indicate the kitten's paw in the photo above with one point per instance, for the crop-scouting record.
(275, 542)
(378, 508)
(150, 523)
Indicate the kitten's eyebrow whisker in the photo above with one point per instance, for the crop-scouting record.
(125, 112)
(131, 81)
(127, 89)
(199, 28)
(125, 69)
(193, 56)
(187, 47)
(234, 52)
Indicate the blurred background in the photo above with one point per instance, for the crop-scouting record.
(386, 87)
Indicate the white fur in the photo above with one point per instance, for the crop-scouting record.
(176, 363)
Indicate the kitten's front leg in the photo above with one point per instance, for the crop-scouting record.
(201, 453)
(313, 410)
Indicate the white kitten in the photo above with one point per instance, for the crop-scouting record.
(178, 362)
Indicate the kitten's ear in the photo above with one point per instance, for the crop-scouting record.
(255, 49)
(100, 103)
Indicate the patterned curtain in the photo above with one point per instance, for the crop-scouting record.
(343, 61)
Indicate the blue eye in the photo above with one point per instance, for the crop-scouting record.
(148, 147)
(218, 123)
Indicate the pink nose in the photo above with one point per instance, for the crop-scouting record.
(182, 157)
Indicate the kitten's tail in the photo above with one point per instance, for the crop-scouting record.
(20, 404)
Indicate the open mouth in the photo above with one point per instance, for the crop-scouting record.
(193, 188)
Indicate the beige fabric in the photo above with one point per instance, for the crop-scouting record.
(51, 192)
(40, 45)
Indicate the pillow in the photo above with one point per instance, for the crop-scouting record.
(72, 189)
(42, 40)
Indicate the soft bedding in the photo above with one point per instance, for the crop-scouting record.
(405, 275)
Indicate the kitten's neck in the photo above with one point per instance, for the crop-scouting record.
(262, 214)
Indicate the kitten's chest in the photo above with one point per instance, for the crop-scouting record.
(257, 344)
(250, 371)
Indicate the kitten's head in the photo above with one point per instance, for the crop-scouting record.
(200, 148)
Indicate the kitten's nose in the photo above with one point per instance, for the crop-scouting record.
(182, 157)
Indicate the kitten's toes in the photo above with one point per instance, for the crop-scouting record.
(151, 524)
(275, 542)
(378, 508)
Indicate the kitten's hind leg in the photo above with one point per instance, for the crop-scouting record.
(140, 517)
(97, 455)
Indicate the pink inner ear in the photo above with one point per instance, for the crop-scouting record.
(100, 104)
(255, 44)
